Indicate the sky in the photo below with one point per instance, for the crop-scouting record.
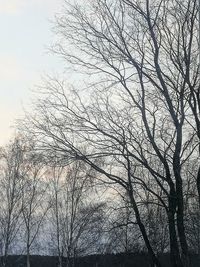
(25, 36)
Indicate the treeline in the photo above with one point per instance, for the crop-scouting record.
(107, 260)
(68, 211)
(60, 210)
(46, 209)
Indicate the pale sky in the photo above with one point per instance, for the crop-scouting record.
(25, 31)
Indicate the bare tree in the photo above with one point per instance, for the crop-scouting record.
(121, 230)
(72, 215)
(34, 201)
(141, 113)
(11, 184)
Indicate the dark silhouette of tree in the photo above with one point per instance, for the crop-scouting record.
(138, 123)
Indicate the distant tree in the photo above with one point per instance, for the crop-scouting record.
(12, 171)
(34, 201)
(123, 235)
(123, 231)
(74, 220)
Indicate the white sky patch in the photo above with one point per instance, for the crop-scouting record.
(5, 128)
(25, 30)
(11, 6)
(11, 69)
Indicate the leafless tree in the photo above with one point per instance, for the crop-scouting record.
(140, 116)
(73, 217)
(11, 183)
(121, 230)
(34, 201)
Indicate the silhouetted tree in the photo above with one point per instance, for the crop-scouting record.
(138, 124)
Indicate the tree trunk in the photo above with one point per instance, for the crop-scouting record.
(198, 185)
(179, 196)
(5, 256)
(182, 237)
(174, 248)
(180, 222)
(68, 264)
(154, 259)
(59, 261)
(28, 256)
